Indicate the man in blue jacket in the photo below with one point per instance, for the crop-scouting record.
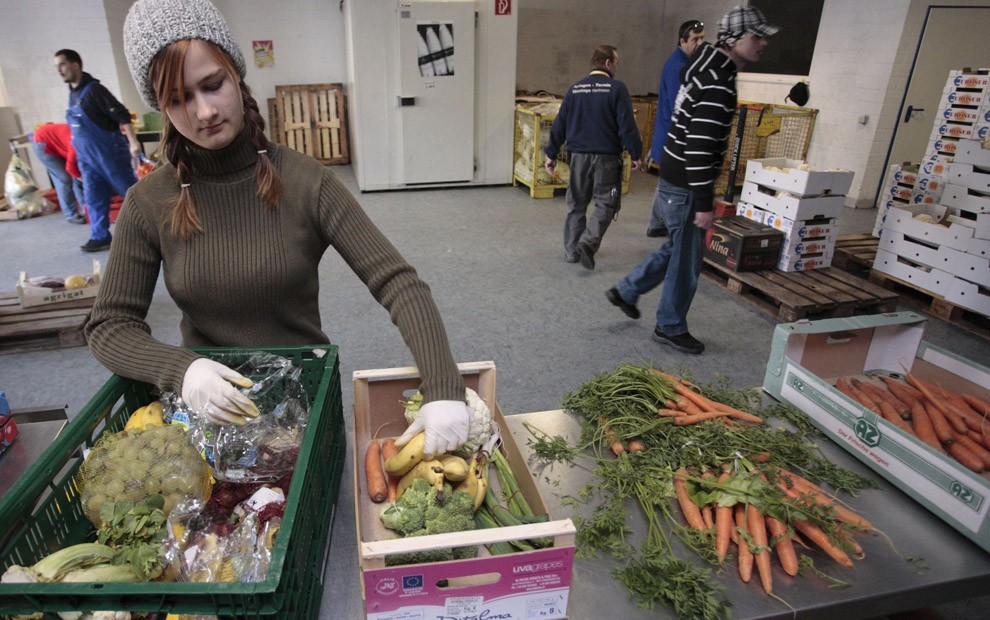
(99, 124)
(690, 36)
(596, 121)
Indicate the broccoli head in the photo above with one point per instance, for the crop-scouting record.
(434, 513)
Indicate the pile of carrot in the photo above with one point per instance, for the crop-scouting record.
(948, 421)
(758, 535)
(381, 486)
(690, 407)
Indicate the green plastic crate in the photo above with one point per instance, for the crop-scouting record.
(41, 513)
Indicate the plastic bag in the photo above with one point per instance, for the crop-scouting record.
(131, 465)
(265, 449)
(22, 193)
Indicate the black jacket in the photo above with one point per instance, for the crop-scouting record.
(596, 116)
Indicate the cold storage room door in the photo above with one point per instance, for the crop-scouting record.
(436, 98)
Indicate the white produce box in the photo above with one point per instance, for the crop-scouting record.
(783, 174)
(960, 197)
(955, 235)
(969, 176)
(969, 295)
(972, 152)
(807, 357)
(804, 262)
(934, 281)
(785, 204)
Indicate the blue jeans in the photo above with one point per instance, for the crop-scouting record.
(676, 263)
(69, 189)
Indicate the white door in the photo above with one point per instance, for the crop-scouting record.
(954, 38)
(436, 90)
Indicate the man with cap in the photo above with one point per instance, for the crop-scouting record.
(691, 161)
(690, 36)
(107, 159)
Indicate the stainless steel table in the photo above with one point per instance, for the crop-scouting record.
(892, 577)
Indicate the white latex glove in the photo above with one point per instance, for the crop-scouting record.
(207, 389)
(445, 423)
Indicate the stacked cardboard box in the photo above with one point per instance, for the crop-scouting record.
(803, 203)
(941, 243)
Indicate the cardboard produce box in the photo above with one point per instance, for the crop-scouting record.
(949, 231)
(784, 204)
(969, 295)
(743, 245)
(961, 197)
(973, 152)
(923, 277)
(807, 357)
(533, 584)
(30, 293)
(784, 174)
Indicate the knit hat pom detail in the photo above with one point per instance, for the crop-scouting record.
(153, 25)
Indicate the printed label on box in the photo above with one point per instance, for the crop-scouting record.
(935, 167)
(961, 97)
(962, 115)
(970, 81)
(906, 177)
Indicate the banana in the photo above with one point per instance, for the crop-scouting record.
(431, 471)
(469, 484)
(482, 491)
(408, 457)
(455, 468)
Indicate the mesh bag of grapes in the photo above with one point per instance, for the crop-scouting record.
(132, 465)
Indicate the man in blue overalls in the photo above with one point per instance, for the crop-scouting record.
(107, 159)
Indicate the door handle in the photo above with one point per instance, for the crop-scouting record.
(910, 112)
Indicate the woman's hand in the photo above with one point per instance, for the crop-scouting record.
(445, 423)
(208, 389)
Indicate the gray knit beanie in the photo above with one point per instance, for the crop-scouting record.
(153, 25)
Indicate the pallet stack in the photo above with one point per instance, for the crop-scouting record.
(803, 203)
(938, 242)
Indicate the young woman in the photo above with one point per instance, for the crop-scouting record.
(239, 225)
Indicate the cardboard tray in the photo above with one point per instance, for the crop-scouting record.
(806, 358)
(795, 181)
(536, 583)
(38, 295)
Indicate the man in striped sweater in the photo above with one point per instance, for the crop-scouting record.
(692, 159)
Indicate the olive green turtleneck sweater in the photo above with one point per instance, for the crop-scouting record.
(251, 278)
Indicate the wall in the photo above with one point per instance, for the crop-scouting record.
(308, 36)
(557, 37)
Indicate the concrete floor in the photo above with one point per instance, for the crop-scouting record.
(494, 260)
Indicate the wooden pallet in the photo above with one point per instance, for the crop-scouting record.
(52, 326)
(934, 304)
(311, 119)
(855, 253)
(812, 294)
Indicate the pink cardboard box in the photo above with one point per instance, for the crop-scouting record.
(533, 584)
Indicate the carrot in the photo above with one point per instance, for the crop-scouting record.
(782, 544)
(375, 472)
(857, 395)
(692, 514)
(802, 488)
(670, 413)
(757, 527)
(688, 407)
(818, 536)
(745, 555)
(685, 420)
(723, 523)
(759, 457)
(736, 413)
(922, 426)
(980, 406)
(610, 437)
(976, 448)
(931, 396)
(708, 517)
(889, 414)
(670, 404)
(942, 428)
(388, 450)
(881, 396)
(904, 392)
(965, 457)
(636, 445)
(672, 378)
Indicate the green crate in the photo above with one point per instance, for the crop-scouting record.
(41, 513)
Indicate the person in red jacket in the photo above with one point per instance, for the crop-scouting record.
(53, 146)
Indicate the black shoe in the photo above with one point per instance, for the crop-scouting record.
(628, 309)
(570, 259)
(685, 343)
(586, 256)
(656, 232)
(95, 246)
